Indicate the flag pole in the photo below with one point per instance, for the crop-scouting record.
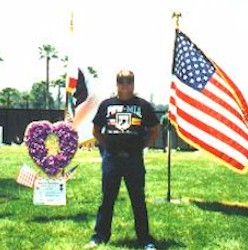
(71, 27)
(169, 162)
(175, 15)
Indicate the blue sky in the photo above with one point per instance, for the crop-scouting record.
(115, 34)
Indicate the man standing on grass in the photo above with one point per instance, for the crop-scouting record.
(130, 125)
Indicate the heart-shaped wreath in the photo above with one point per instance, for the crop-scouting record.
(36, 137)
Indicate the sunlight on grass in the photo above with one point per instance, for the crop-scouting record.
(202, 218)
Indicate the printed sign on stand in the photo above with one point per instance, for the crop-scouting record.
(49, 192)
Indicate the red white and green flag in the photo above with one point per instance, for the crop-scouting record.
(81, 94)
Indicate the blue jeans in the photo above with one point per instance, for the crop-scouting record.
(130, 167)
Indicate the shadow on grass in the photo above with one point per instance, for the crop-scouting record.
(166, 244)
(75, 218)
(128, 243)
(8, 189)
(223, 207)
(4, 215)
(133, 243)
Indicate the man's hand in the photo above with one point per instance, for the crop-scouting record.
(153, 134)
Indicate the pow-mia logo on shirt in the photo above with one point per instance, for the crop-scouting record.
(123, 121)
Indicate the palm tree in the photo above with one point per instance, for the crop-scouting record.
(26, 98)
(9, 97)
(60, 83)
(92, 71)
(37, 94)
(65, 60)
(48, 52)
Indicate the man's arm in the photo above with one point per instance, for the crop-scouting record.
(153, 134)
(98, 134)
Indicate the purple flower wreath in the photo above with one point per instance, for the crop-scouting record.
(35, 137)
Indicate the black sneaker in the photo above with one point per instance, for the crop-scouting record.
(150, 246)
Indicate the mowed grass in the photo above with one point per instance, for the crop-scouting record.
(208, 208)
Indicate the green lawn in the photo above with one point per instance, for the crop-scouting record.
(211, 212)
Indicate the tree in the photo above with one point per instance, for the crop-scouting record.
(27, 98)
(65, 61)
(48, 52)
(9, 97)
(60, 83)
(38, 94)
(92, 71)
(161, 107)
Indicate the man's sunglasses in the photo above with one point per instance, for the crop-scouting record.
(124, 80)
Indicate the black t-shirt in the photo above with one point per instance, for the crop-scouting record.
(125, 122)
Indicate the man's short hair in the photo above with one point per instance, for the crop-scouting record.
(125, 75)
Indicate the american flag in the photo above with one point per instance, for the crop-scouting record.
(207, 109)
(26, 176)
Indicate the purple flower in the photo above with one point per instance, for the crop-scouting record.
(35, 137)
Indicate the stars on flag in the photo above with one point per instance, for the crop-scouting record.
(190, 66)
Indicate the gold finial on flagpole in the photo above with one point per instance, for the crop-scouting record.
(176, 15)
